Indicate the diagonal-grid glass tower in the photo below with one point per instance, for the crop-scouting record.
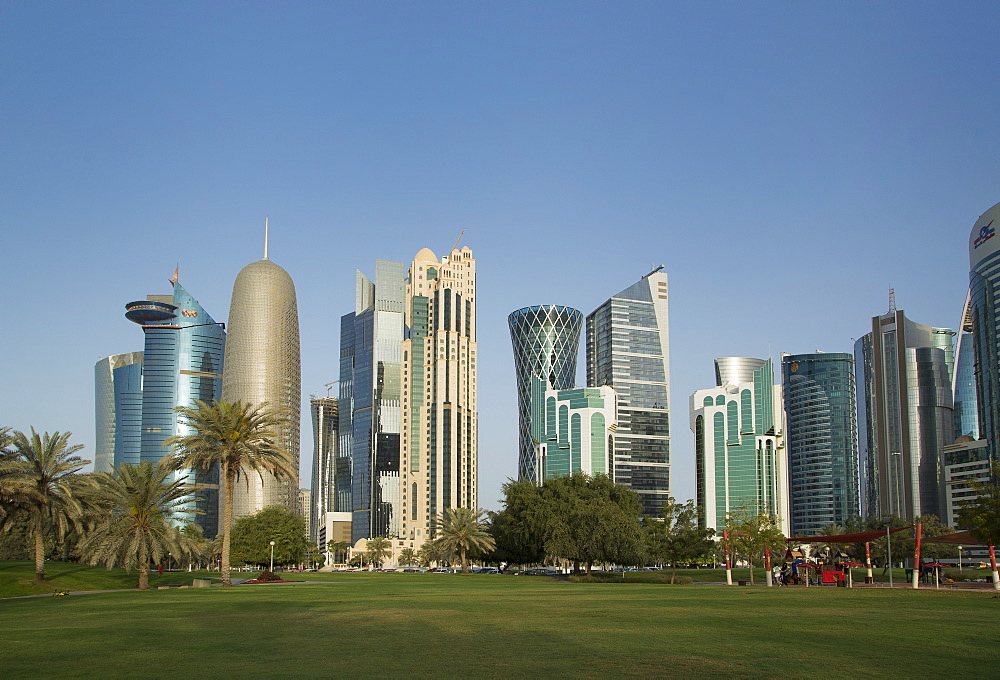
(546, 340)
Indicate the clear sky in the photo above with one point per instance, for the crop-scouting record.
(786, 162)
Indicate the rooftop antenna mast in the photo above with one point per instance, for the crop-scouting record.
(892, 301)
(265, 238)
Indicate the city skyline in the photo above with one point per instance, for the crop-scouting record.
(847, 148)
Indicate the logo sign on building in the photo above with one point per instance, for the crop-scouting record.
(985, 234)
(189, 312)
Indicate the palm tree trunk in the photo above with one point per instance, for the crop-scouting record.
(465, 562)
(39, 546)
(227, 522)
(144, 576)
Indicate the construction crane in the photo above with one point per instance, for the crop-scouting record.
(457, 240)
(329, 387)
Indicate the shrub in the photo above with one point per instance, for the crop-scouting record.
(268, 577)
(631, 577)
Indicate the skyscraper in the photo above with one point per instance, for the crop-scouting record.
(740, 458)
(905, 414)
(573, 430)
(262, 366)
(324, 470)
(821, 433)
(546, 340)
(182, 362)
(440, 421)
(628, 348)
(966, 403)
(369, 402)
(118, 410)
(984, 282)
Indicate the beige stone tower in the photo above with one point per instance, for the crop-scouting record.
(439, 433)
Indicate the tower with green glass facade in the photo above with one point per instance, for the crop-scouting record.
(572, 430)
(628, 348)
(822, 437)
(740, 454)
(905, 418)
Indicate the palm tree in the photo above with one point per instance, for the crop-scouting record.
(39, 481)
(378, 549)
(338, 548)
(136, 531)
(407, 557)
(462, 529)
(240, 438)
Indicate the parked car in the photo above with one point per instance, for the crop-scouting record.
(538, 572)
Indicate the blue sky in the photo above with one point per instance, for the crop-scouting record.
(786, 162)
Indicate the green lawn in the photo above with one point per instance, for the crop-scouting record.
(18, 578)
(438, 625)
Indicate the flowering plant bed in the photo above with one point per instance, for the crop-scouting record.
(269, 577)
(278, 580)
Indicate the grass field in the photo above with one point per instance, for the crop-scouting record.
(438, 625)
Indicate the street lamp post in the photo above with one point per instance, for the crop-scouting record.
(272, 555)
(888, 542)
(960, 558)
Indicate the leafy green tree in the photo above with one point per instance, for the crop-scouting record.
(518, 530)
(597, 531)
(141, 501)
(676, 537)
(407, 557)
(751, 533)
(39, 483)
(982, 515)
(252, 536)
(461, 530)
(377, 550)
(241, 439)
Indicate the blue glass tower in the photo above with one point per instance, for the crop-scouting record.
(369, 402)
(966, 402)
(821, 431)
(984, 284)
(546, 341)
(182, 362)
(118, 410)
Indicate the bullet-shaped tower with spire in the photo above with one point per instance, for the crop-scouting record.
(262, 365)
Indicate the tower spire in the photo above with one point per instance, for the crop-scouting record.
(177, 271)
(265, 238)
(892, 300)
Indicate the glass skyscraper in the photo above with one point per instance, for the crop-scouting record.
(984, 285)
(573, 430)
(966, 401)
(821, 433)
(628, 349)
(182, 362)
(118, 412)
(369, 402)
(904, 371)
(546, 340)
(740, 458)
(324, 470)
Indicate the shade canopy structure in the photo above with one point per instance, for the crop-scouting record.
(957, 538)
(847, 538)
